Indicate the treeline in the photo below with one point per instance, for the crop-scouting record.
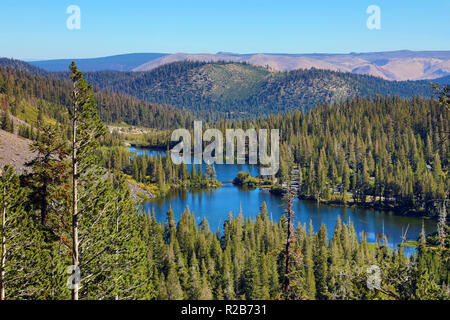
(158, 170)
(127, 255)
(23, 66)
(247, 260)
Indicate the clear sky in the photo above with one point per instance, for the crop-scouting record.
(31, 29)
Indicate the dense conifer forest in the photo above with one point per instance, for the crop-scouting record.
(383, 152)
(73, 206)
(234, 90)
(50, 96)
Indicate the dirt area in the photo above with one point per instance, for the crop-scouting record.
(135, 190)
(15, 151)
(128, 129)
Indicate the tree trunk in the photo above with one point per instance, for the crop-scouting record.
(44, 204)
(3, 258)
(75, 256)
(289, 240)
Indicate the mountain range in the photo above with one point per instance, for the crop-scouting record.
(230, 89)
(235, 89)
(392, 65)
(122, 62)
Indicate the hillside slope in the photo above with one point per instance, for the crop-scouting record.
(14, 150)
(391, 65)
(395, 65)
(122, 62)
(248, 90)
(30, 93)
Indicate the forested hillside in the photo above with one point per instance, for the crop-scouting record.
(76, 210)
(391, 65)
(30, 93)
(443, 80)
(219, 90)
(235, 90)
(382, 152)
(22, 66)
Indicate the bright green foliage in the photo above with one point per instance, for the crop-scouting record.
(385, 151)
(49, 179)
(22, 263)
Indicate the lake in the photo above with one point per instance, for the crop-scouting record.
(215, 205)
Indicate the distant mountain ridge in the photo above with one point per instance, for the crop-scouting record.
(122, 62)
(22, 66)
(236, 89)
(391, 65)
(244, 90)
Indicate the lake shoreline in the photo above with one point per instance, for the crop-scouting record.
(386, 208)
(215, 204)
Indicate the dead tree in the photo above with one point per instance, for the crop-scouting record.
(290, 239)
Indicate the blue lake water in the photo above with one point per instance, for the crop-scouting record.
(215, 205)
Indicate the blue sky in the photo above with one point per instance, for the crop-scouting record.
(37, 29)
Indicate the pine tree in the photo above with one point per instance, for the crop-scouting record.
(345, 180)
(209, 173)
(6, 122)
(49, 179)
(94, 215)
(227, 282)
(170, 227)
(195, 280)
(310, 281)
(289, 242)
(21, 253)
(321, 265)
(174, 290)
(184, 172)
(127, 249)
(251, 279)
(194, 173)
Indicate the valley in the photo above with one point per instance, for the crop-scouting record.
(224, 159)
(356, 143)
